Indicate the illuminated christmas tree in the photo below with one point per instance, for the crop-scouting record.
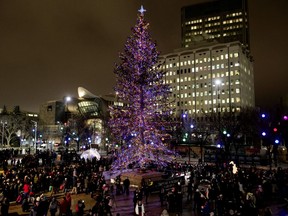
(140, 126)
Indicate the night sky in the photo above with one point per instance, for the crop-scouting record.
(49, 48)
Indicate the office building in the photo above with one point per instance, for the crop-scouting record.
(220, 20)
(56, 116)
(210, 78)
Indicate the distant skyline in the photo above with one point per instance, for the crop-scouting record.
(50, 48)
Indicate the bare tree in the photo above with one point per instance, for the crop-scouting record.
(14, 124)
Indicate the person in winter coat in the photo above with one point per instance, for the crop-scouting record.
(69, 202)
(139, 209)
(5, 206)
(63, 206)
(26, 189)
(80, 207)
(53, 207)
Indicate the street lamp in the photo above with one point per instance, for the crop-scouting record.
(67, 112)
(217, 84)
(3, 132)
(35, 134)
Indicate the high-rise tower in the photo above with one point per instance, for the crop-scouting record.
(220, 20)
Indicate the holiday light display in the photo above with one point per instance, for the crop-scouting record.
(139, 127)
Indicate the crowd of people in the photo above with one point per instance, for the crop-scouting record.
(210, 190)
(220, 190)
(27, 181)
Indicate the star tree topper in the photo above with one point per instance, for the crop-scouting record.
(142, 10)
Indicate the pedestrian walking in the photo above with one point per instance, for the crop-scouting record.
(118, 185)
(74, 185)
(162, 195)
(139, 209)
(189, 190)
(126, 184)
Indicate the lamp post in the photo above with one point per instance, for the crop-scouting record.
(217, 84)
(3, 132)
(35, 134)
(68, 99)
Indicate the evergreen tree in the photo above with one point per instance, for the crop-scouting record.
(140, 125)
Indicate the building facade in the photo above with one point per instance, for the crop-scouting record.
(210, 78)
(220, 20)
(57, 117)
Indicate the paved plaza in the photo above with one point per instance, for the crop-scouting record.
(123, 204)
